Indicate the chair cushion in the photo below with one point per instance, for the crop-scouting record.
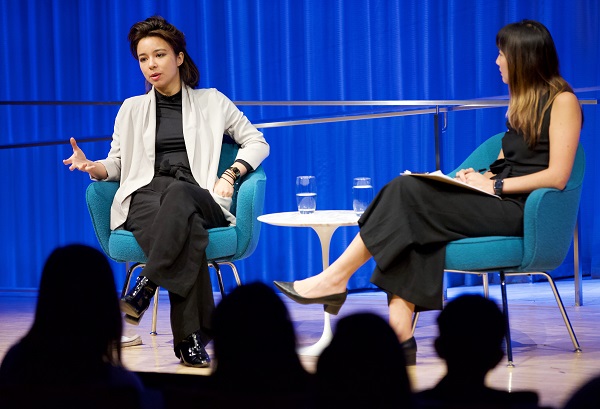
(484, 253)
(222, 245)
(123, 247)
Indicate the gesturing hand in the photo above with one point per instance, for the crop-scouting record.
(79, 161)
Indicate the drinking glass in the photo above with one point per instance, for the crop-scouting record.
(306, 194)
(362, 194)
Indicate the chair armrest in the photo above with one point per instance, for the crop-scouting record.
(483, 156)
(249, 205)
(548, 225)
(99, 197)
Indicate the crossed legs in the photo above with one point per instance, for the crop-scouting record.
(334, 279)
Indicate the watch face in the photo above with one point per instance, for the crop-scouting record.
(498, 184)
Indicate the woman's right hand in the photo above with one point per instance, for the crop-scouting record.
(462, 174)
(79, 161)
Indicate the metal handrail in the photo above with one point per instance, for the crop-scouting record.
(432, 107)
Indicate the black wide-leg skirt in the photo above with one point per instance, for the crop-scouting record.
(169, 218)
(410, 221)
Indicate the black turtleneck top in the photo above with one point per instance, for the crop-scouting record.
(169, 131)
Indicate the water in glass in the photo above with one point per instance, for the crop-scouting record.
(362, 194)
(306, 194)
(307, 202)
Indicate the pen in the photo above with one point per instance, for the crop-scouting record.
(482, 170)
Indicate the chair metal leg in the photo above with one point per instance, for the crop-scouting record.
(414, 322)
(505, 312)
(235, 272)
(563, 312)
(215, 265)
(128, 274)
(560, 304)
(217, 268)
(486, 285)
(155, 312)
(445, 287)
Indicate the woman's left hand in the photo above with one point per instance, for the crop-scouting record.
(223, 188)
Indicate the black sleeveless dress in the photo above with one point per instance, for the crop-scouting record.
(410, 221)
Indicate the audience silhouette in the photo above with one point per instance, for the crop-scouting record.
(73, 346)
(586, 397)
(255, 351)
(72, 354)
(471, 332)
(363, 367)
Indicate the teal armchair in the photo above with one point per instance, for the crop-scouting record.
(225, 244)
(549, 221)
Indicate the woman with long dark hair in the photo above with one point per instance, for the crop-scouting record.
(407, 226)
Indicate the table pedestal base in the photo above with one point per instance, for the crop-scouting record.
(321, 344)
(324, 223)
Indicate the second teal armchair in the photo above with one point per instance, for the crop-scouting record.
(549, 221)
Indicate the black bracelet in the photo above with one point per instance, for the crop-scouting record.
(227, 181)
(229, 175)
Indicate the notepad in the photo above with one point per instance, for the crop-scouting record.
(441, 177)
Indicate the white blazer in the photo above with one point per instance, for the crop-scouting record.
(207, 115)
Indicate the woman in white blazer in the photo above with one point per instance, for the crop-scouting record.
(165, 152)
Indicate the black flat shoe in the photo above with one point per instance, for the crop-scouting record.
(191, 352)
(137, 301)
(331, 303)
(410, 351)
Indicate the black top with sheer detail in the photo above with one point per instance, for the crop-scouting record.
(170, 144)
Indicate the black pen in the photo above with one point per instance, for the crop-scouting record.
(482, 170)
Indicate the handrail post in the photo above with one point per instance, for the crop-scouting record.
(437, 136)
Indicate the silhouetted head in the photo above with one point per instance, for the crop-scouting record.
(471, 330)
(77, 310)
(254, 341)
(363, 363)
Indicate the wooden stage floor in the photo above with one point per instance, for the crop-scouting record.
(543, 352)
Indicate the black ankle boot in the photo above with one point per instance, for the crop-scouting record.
(137, 301)
(191, 352)
(410, 351)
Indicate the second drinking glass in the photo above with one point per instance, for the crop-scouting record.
(362, 194)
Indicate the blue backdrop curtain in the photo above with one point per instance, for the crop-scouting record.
(264, 50)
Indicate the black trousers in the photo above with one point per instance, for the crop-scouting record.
(169, 218)
(410, 221)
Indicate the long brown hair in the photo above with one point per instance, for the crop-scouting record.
(159, 27)
(534, 78)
